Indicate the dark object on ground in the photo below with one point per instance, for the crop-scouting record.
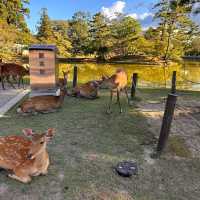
(126, 168)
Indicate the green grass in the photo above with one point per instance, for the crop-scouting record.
(177, 146)
(87, 144)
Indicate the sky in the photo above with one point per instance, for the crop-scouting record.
(64, 9)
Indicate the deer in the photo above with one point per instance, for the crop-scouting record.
(14, 70)
(44, 104)
(87, 90)
(116, 83)
(25, 156)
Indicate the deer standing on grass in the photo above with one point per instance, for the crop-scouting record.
(11, 69)
(25, 156)
(116, 83)
(44, 104)
(87, 90)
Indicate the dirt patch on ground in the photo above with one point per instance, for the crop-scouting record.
(185, 130)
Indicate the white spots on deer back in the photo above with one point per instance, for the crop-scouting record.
(13, 149)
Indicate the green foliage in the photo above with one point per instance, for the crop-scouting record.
(54, 32)
(194, 47)
(79, 32)
(101, 35)
(45, 30)
(125, 31)
(13, 12)
(175, 29)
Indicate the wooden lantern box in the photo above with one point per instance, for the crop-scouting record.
(44, 70)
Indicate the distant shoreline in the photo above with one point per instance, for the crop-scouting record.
(93, 60)
(139, 61)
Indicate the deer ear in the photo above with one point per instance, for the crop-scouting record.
(28, 132)
(50, 133)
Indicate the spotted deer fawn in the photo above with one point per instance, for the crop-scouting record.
(25, 156)
(46, 103)
(116, 83)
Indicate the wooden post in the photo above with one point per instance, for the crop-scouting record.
(166, 123)
(173, 89)
(134, 85)
(75, 76)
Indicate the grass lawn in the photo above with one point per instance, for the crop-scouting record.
(88, 143)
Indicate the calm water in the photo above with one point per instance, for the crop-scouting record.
(188, 73)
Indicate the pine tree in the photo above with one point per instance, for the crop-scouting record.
(101, 35)
(45, 31)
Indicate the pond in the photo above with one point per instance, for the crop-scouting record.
(188, 73)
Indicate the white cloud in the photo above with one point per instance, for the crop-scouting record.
(142, 16)
(111, 12)
(119, 7)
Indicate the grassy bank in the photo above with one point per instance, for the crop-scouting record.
(88, 144)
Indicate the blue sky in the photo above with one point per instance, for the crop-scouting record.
(64, 9)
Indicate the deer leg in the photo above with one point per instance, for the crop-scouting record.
(14, 78)
(2, 82)
(49, 111)
(19, 82)
(8, 80)
(118, 100)
(126, 92)
(23, 82)
(24, 178)
(109, 105)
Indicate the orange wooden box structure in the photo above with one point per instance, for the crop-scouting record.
(44, 71)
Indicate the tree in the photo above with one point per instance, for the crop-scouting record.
(125, 32)
(13, 12)
(193, 5)
(60, 37)
(45, 31)
(101, 36)
(175, 25)
(54, 32)
(10, 38)
(13, 28)
(79, 32)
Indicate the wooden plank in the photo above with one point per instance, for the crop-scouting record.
(12, 102)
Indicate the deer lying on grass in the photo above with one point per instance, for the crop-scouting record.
(88, 90)
(11, 69)
(44, 104)
(116, 83)
(25, 156)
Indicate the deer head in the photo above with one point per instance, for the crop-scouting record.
(39, 141)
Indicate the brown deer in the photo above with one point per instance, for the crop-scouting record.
(14, 70)
(116, 83)
(25, 156)
(63, 81)
(43, 104)
(87, 90)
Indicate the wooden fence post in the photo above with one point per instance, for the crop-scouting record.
(134, 85)
(75, 76)
(167, 120)
(173, 89)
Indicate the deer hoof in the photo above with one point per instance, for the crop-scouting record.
(130, 103)
(44, 173)
(120, 111)
(108, 112)
(24, 180)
